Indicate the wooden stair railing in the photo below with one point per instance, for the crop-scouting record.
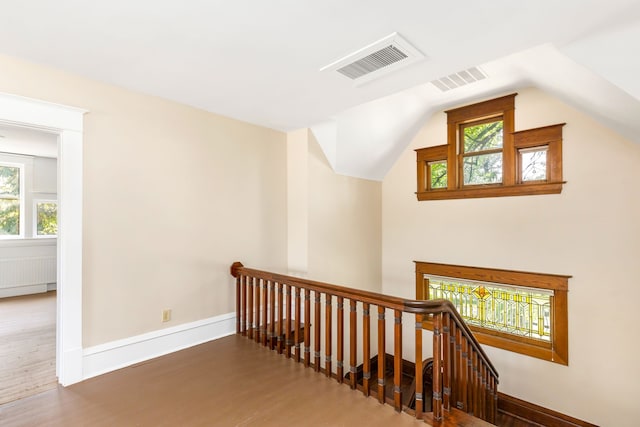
(463, 376)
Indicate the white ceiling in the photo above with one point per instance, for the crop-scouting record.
(259, 61)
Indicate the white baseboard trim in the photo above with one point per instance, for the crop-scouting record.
(18, 291)
(103, 358)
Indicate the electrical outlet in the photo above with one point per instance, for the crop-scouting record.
(166, 315)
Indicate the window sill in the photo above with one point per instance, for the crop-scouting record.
(493, 191)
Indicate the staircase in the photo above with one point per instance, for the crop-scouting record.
(458, 386)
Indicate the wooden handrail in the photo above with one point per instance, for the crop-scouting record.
(463, 375)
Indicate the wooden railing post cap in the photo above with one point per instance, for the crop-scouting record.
(234, 268)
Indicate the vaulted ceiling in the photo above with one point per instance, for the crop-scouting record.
(260, 61)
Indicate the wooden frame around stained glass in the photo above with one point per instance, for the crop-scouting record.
(554, 349)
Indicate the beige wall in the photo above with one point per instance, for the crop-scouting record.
(590, 231)
(344, 226)
(172, 196)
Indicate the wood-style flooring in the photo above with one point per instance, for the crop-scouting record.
(27, 345)
(228, 382)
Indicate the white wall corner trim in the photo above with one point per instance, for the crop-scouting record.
(67, 123)
(103, 358)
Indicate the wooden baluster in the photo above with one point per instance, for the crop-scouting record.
(469, 376)
(381, 354)
(296, 334)
(238, 296)
(419, 367)
(453, 357)
(489, 394)
(482, 388)
(265, 306)
(243, 319)
(340, 355)
(446, 362)
(366, 349)
(353, 342)
(250, 292)
(280, 318)
(397, 361)
(272, 314)
(256, 327)
(461, 368)
(287, 322)
(327, 335)
(437, 366)
(307, 327)
(476, 378)
(316, 329)
(494, 389)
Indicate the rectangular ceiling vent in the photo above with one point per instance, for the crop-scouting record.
(461, 78)
(377, 59)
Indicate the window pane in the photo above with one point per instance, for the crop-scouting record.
(482, 169)
(438, 174)
(534, 164)
(47, 219)
(9, 181)
(9, 217)
(482, 137)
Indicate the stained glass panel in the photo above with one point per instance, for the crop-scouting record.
(514, 310)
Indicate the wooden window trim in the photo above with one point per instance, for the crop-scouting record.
(512, 183)
(557, 351)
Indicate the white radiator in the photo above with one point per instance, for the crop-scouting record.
(27, 271)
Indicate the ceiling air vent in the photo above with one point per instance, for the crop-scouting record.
(377, 59)
(461, 78)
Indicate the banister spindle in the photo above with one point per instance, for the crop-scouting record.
(366, 349)
(381, 354)
(287, 321)
(243, 315)
(280, 317)
(476, 378)
(257, 285)
(461, 368)
(272, 314)
(238, 296)
(296, 333)
(250, 308)
(446, 362)
(353, 343)
(453, 357)
(419, 367)
(265, 305)
(437, 367)
(316, 329)
(340, 355)
(397, 360)
(327, 335)
(307, 327)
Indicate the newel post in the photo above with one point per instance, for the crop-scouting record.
(235, 267)
(234, 272)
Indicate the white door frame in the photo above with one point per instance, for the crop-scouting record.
(67, 123)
